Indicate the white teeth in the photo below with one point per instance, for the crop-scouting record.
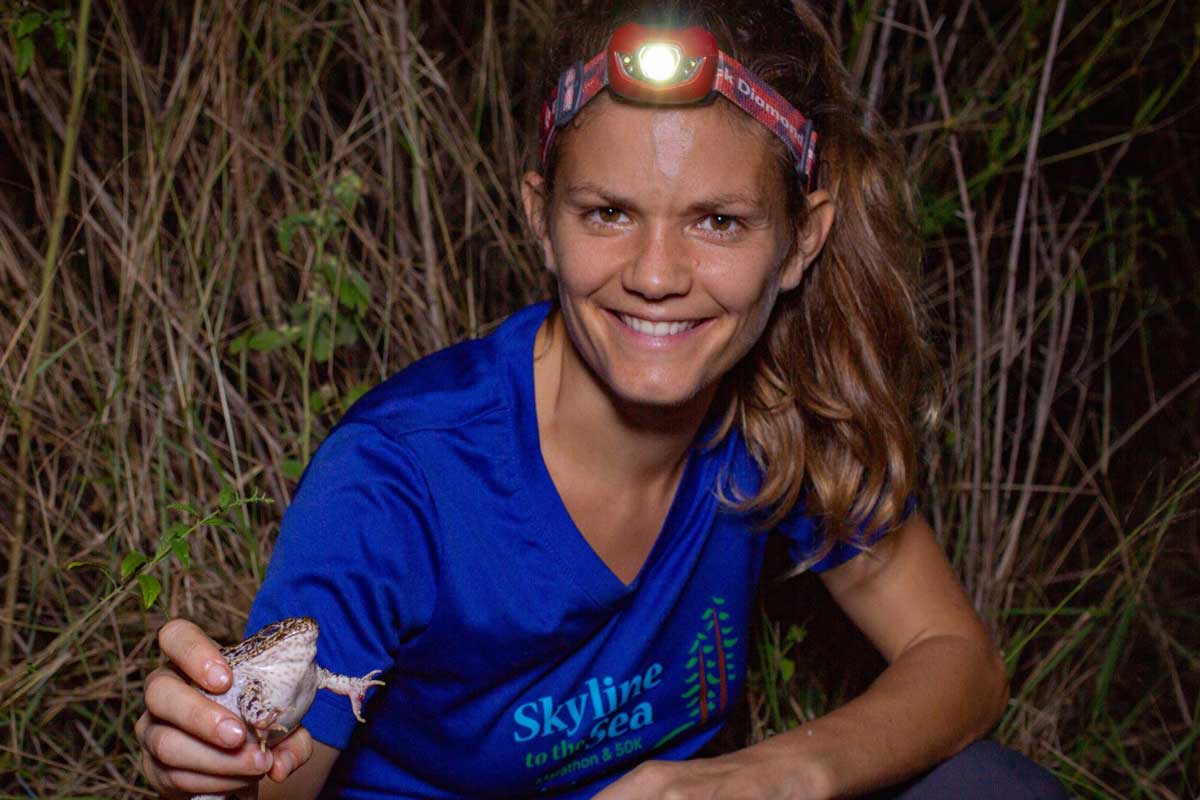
(656, 328)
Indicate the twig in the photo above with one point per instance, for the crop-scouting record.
(49, 267)
(977, 271)
(1014, 252)
(885, 36)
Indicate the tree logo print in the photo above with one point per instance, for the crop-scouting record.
(709, 669)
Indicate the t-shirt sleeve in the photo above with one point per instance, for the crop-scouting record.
(806, 539)
(356, 551)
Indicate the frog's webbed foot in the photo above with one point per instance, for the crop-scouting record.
(260, 716)
(354, 688)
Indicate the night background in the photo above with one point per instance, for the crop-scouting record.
(221, 222)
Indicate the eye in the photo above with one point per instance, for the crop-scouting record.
(608, 214)
(722, 224)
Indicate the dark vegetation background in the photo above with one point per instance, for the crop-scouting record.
(220, 222)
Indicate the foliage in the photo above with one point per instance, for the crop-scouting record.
(275, 206)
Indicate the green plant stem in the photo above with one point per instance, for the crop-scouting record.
(49, 267)
(310, 329)
(19, 683)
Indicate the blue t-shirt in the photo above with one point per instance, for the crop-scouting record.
(429, 541)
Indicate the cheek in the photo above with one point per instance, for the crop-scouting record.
(745, 286)
(584, 264)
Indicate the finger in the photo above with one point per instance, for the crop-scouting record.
(172, 701)
(171, 748)
(196, 655)
(175, 782)
(291, 754)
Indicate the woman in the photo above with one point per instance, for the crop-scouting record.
(549, 539)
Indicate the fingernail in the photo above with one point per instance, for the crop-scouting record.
(216, 675)
(287, 763)
(230, 732)
(262, 761)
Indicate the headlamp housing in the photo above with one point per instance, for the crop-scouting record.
(660, 66)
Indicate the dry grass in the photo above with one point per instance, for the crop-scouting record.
(272, 206)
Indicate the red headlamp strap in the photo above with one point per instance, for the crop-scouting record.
(580, 82)
(577, 85)
(769, 107)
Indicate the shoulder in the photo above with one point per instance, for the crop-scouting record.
(453, 386)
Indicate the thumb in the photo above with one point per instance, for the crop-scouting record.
(291, 753)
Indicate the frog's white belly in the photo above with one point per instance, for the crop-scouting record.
(289, 686)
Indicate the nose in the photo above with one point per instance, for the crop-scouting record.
(662, 267)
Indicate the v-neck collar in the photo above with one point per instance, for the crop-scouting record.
(581, 563)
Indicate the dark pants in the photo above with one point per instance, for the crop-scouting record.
(984, 771)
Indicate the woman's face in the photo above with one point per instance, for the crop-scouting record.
(668, 232)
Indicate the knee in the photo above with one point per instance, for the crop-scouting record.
(987, 770)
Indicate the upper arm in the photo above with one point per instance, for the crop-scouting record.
(904, 591)
(305, 783)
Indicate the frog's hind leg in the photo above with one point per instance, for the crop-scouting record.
(354, 688)
(264, 718)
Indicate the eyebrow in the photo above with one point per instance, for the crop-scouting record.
(734, 199)
(578, 192)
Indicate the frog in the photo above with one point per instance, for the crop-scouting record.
(276, 677)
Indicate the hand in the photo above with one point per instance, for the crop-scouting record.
(752, 773)
(191, 745)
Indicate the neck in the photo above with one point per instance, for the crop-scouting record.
(626, 443)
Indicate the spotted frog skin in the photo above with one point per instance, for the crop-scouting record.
(275, 680)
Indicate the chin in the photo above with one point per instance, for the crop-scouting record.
(673, 396)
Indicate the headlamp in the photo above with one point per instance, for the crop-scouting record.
(675, 66)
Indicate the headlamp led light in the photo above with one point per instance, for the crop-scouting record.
(673, 66)
(656, 62)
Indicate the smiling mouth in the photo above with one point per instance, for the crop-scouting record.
(648, 328)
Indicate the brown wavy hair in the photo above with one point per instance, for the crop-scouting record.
(827, 400)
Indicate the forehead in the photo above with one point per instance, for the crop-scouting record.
(714, 148)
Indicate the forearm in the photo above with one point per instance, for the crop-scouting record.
(936, 697)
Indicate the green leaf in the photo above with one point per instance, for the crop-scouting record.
(24, 56)
(348, 189)
(132, 562)
(322, 347)
(354, 292)
(60, 36)
(29, 22)
(92, 564)
(787, 668)
(291, 469)
(186, 508)
(347, 332)
(180, 548)
(356, 391)
(267, 340)
(226, 497)
(288, 227)
(151, 589)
